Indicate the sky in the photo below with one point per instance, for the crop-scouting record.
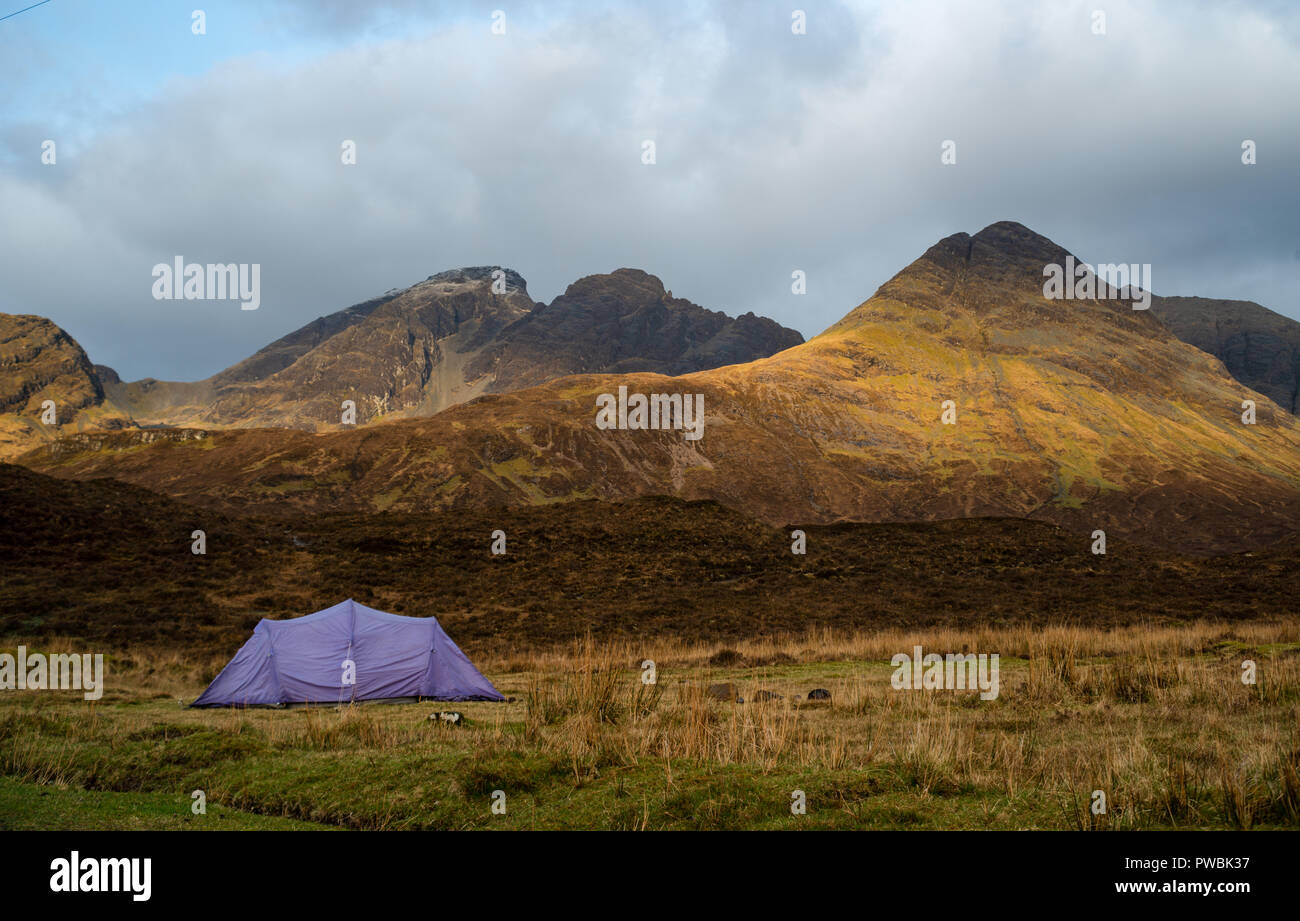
(524, 147)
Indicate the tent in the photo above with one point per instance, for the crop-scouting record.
(345, 653)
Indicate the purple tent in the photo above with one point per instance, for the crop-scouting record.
(345, 653)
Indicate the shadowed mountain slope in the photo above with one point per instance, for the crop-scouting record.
(1260, 348)
(624, 322)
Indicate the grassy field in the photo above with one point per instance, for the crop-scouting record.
(50, 807)
(1157, 718)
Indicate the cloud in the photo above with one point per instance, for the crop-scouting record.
(775, 152)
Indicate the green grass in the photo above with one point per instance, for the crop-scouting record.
(1176, 742)
(36, 807)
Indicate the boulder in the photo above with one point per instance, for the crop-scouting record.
(725, 692)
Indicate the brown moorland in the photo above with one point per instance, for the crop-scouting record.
(110, 564)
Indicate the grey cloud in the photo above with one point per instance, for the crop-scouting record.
(775, 152)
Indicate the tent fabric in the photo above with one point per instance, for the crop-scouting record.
(310, 660)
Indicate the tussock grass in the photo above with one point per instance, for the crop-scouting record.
(1156, 718)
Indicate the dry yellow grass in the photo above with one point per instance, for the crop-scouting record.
(1158, 719)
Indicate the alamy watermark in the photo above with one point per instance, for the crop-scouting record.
(680, 411)
(55, 672)
(181, 281)
(1078, 281)
(953, 672)
(103, 874)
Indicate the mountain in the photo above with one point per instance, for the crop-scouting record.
(39, 362)
(450, 339)
(414, 352)
(1083, 413)
(1260, 348)
(624, 322)
(401, 353)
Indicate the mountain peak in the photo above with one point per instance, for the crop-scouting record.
(1001, 243)
(480, 273)
(621, 282)
(1018, 242)
(624, 322)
